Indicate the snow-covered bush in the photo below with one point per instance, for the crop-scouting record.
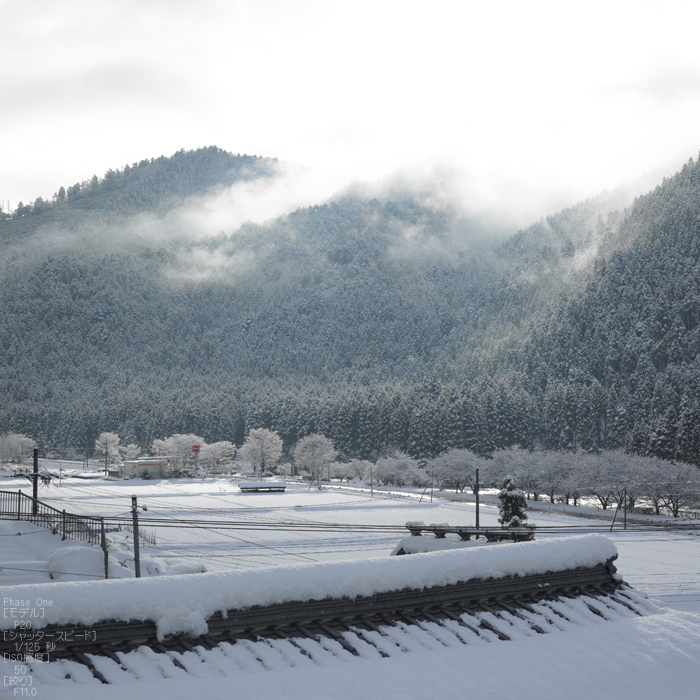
(512, 511)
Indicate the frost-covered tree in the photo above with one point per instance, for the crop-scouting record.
(15, 447)
(314, 453)
(552, 472)
(341, 470)
(512, 511)
(217, 453)
(262, 448)
(358, 468)
(523, 465)
(131, 451)
(681, 486)
(456, 469)
(178, 448)
(398, 469)
(109, 445)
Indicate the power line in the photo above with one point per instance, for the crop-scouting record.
(248, 541)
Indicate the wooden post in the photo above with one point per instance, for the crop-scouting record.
(135, 516)
(625, 511)
(104, 546)
(19, 504)
(617, 510)
(64, 525)
(35, 485)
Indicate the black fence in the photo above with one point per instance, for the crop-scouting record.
(19, 506)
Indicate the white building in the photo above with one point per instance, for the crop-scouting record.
(144, 466)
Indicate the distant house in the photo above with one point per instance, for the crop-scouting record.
(144, 467)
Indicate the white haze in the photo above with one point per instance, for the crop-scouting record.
(474, 203)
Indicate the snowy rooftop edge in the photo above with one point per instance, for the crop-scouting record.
(180, 604)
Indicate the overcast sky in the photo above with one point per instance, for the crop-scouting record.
(529, 104)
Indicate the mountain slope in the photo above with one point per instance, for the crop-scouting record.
(385, 323)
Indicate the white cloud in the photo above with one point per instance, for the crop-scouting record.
(532, 98)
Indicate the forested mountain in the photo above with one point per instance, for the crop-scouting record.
(154, 185)
(383, 323)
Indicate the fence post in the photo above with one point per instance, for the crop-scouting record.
(64, 524)
(135, 515)
(104, 547)
(35, 485)
(476, 495)
(19, 504)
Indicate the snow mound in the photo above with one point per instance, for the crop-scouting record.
(85, 560)
(76, 562)
(183, 604)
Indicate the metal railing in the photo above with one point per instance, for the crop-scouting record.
(19, 506)
(491, 534)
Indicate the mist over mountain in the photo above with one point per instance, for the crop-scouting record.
(387, 322)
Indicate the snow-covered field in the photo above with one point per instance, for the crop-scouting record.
(664, 564)
(632, 658)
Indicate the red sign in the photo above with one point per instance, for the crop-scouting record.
(195, 448)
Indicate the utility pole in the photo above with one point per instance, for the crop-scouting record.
(35, 485)
(135, 516)
(476, 494)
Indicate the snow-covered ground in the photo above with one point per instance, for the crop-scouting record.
(665, 564)
(633, 658)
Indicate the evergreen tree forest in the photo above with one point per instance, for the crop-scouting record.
(385, 324)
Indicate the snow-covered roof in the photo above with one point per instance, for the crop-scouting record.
(183, 604)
